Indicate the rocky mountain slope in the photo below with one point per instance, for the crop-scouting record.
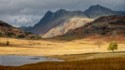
(53, 19)
(60, 22)
(62, 29)
(103, 26)
(7, 30)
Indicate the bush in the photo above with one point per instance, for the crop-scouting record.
(35, 37)
(21, 36)
(1, 34)
(7, 43)
(10, 34)
(113, 46)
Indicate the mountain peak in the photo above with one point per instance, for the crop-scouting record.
(96, 11)
(49, 12)
(98, 8)
(61, 11)
(97, 5)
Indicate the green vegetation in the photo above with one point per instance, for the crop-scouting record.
(21, 36)
(113, 46)
(94, 64)
(33, 37)
(10, 34)
(7, 34)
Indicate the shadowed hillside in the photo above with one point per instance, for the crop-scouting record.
(7, 30)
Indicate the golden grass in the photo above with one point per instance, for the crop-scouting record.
(89, 56)
(57, 47)
(53, 47)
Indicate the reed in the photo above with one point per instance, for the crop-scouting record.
(117, 63)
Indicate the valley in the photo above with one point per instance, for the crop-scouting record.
(76, 54)
(68, 39)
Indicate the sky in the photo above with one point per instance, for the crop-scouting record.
(29, 12)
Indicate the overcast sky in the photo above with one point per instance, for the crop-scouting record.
(29, 12)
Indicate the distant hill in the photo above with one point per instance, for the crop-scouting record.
(24, 28)
(103, 26)
(96, 11)
(7, 30)
(57, 23)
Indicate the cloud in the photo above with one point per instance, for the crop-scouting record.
(21, 20)
(29, 12)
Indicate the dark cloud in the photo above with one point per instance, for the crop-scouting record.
(29, 12)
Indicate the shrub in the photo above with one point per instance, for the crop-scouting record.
(10, 34)
(7, 43)
(1, 34)
(21, 36)
(113, 46)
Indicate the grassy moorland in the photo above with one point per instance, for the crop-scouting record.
(116, 63)
(55, 47)
(90, 56)
(97, 60)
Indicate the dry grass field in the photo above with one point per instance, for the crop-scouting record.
(54, 47)
(82, 54)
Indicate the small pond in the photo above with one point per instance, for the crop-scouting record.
(13, 60)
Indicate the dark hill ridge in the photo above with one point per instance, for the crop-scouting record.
(103, 26)
(7, 30)
(98, 10)
(54, 19)
(4, 24)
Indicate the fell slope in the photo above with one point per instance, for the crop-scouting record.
(7, 30)
(62, 29)
(53, 19)
(103, 26)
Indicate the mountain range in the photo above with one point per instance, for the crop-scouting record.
(95, 20)
(61, 21)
